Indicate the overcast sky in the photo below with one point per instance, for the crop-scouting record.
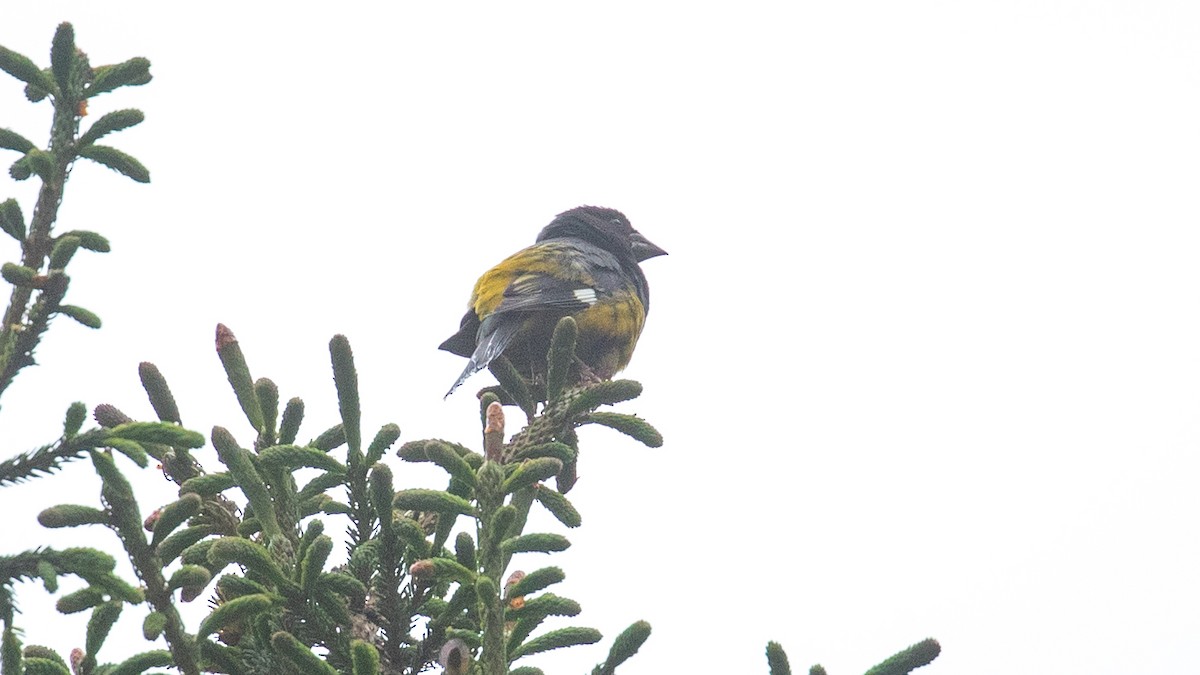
(924, 350)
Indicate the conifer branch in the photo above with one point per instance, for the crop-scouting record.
(46, 459)
(40, 282)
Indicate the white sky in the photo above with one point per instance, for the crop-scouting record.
(924, 351)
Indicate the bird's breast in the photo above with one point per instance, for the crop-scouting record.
(609, 331)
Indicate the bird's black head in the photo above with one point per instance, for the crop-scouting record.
(608, 228)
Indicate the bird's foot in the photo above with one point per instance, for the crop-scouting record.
(586, 374)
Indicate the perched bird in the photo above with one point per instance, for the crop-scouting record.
(584, 264)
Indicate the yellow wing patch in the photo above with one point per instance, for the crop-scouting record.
(550, 258)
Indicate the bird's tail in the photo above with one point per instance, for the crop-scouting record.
(472, 368)
(492, 343)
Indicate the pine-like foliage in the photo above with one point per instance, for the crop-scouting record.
(39, 278)
(426, 578)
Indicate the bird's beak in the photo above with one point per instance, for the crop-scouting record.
(643, 249)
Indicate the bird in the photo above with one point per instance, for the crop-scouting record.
(584, 264)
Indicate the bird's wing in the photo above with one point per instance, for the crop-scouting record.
(560, 277)
(534, 292)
